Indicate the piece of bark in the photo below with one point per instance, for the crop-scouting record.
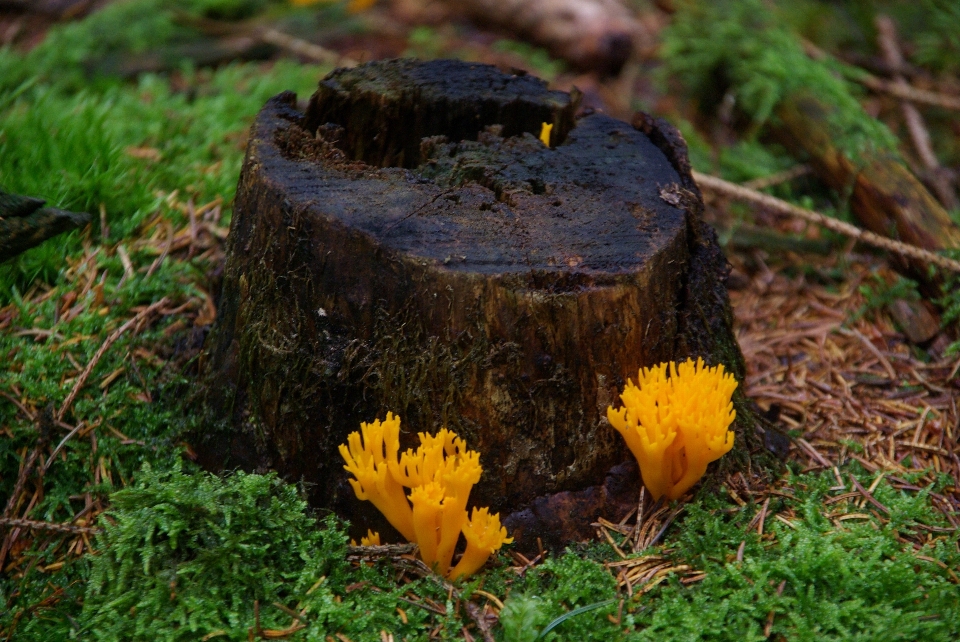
(885, 197)
(915, 320)
(590, 34)
(409, 245)
(25, 223)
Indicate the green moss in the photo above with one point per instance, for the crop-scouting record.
(184, 555)
(740, 47)
(190, 554)
(857, 581)
(71, 148)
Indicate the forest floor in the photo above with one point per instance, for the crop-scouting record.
(858, 538)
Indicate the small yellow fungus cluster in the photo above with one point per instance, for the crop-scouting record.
(545, 130)
(675, 422)
(439, 474)
(354, 6)
(370, 539)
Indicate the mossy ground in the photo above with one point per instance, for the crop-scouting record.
(185, 555)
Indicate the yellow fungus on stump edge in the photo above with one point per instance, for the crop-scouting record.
(675, 421)
(440, 474)
(545, 130)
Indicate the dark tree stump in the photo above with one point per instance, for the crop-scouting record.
(408, 244)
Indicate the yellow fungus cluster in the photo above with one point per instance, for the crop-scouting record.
(370, 539)
(545, 130)
(675, 421)
(439, 474)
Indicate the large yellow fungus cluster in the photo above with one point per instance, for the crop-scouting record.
(675, 422)
(439, 474)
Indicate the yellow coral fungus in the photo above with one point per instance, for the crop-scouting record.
(440, 473)
(484, 535)
(370, 539)
(428, 507)
(366, 453)
(675, 421)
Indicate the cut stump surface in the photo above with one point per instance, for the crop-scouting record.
(409, 245)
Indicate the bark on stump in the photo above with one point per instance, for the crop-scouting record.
(408, 244)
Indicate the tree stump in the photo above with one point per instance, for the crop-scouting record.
(409, 245)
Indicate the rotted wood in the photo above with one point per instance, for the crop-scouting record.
(25, 223)
(408, 244)
(885, 196)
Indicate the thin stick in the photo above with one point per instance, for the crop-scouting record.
(870, 81)
(666, 525)
(868, 344)
(305, 49)
(733, 190)
(82, 379)
(48, 526)
(44, 430)
(166, 250)
(780, 177)
(44, 427)
(59, 447)
(907, 92)
(29, 415)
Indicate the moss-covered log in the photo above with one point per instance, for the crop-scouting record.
(409, 245)
(884, 195)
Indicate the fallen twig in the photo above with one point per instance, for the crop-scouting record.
(48, 526)
(907, 92)
(60, 446)
(785, 176)
(774, 204)
(306, 49)
(82, 379)
(44, 428)
(868, 80)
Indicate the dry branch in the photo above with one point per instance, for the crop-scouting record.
(82, 379)
(774, 204)
(880, 85)
(305, 49)
(908, 92)
(48, 526)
